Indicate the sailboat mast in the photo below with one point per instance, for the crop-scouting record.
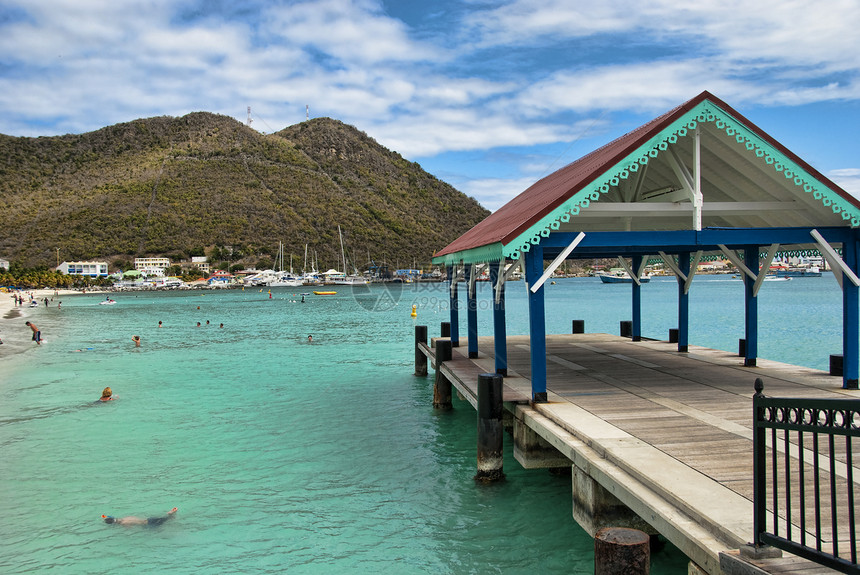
(342, 254)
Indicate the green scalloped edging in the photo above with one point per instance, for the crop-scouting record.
(704, 112)
(488, 253)
(809, 253)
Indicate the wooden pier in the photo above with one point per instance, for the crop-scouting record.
(656, 439)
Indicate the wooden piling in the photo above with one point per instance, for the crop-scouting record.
(836, 364)
(420, 358)
(626, 329)
(441, 386)
(445, 329)
(490, 428)
(621, 551)
(578, 326)
(673, 335)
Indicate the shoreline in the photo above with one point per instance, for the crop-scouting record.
(15, 335)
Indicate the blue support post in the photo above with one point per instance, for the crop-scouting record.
(683, 304)
(751, 308)
(471, 314)
(500, 344)
(537, 324)
(850, 317)
(454, 307)
(637, 302)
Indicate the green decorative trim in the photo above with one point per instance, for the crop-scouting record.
(481, 254)
(704, 112)
(810, 253)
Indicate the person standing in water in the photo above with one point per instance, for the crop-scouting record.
(37, 335)
(136, 340)
(107, 395)
(132, 521)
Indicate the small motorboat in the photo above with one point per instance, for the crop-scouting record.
(107, 302)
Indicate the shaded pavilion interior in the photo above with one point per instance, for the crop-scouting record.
(697, 182)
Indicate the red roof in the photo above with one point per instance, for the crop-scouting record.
(526, 209)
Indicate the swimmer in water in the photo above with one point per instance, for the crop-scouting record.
(107, 394)
(131, 520)
(136, 340)
(159, 323)
(310, 338)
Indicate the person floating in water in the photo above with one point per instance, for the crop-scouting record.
(310, 338)
(107, 395)
(136, 340)
(132, 521)
(159, 323)
(37, 335)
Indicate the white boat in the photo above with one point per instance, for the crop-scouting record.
(620, 277)
(107, 302)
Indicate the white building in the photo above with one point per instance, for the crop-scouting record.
(4, 265)
(92, 269)
(141, 263)
(151, 267)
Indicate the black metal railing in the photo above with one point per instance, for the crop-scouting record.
(804, 479)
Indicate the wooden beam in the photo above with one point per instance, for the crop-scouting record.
(733, 257)
(684, 209)
(765, 267)
(557, 262)
(694, 265)
(834, 260)
(670, 261)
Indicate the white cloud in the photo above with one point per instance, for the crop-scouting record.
(792, 32)
(493, 193)
(347, 30)
(847, 179)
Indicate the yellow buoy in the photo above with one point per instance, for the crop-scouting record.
(414, 311)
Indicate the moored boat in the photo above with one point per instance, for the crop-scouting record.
(622, 278)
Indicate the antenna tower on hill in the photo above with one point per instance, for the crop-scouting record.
(249, 117)
(307, 112)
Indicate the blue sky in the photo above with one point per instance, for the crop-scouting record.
(486, 95)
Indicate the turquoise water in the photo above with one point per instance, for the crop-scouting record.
(289, 456)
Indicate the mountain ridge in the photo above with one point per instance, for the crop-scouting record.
(175, 186)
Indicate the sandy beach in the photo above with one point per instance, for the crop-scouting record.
(14, 333)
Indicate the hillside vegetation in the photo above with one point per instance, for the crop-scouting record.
(175, 186)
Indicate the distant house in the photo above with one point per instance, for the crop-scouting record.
(220, 277)
(91, 269)
(202, 263)
(4, 265)
(196, 263)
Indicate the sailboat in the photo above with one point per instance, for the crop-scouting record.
(282, 277)
(309, 278)
(348, 279)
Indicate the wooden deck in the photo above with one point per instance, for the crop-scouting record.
(668, 433)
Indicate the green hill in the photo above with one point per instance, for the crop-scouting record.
(174, 186)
